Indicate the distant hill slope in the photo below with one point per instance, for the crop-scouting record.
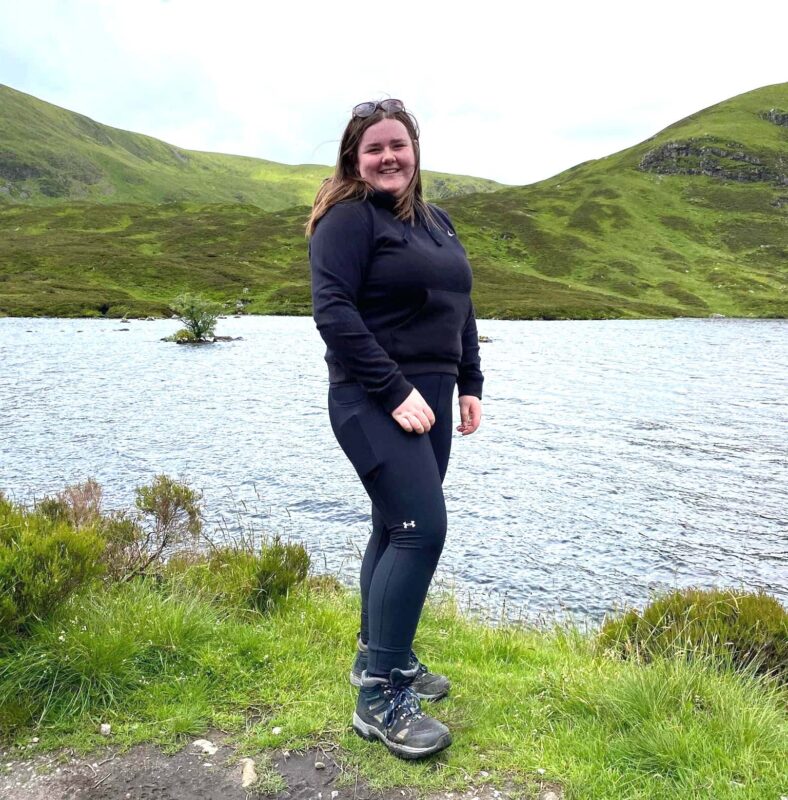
(693, 221)
(49, 155)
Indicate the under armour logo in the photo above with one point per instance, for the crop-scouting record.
(411, 524)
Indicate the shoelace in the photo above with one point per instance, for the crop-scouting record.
(404, 700)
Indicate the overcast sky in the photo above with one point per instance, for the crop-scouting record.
(505, 90)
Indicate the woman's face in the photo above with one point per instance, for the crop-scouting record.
(386, 159)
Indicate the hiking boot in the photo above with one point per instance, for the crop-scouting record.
(388, 709)
(427, 685)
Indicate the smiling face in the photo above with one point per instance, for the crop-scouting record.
(386, 159)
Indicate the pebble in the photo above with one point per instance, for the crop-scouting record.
(334, 795)
(105, 729)
(319, 765)
(541, 771)
(548, 795)
(207, 747)
(248, 773)
(276, 731)
(484, 773)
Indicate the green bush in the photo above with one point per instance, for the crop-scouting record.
(42, 561)
(741, 629)
(242, 579)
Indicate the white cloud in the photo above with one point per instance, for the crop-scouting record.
(512, 92)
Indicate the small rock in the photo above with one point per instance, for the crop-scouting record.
(105, 729)
(276, 731)
(484, 773)
(35, 740)
(334, 795)
(209, 748)
(319, 765)
(540, 771)
(548, 794)
(248, 773)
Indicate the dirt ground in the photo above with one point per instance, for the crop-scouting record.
(146, 773)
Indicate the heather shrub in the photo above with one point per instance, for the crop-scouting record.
(242, 578)
(736, 628)
(280, 567)
(167, 517)
(43, 560)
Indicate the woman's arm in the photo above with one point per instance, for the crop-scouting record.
(339, 253)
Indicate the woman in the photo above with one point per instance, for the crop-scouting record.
(391, 294)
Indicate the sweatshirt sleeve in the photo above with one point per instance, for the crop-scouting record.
(470, 378)
(339, 252)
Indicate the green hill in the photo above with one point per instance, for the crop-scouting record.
(49, 155)
(693, 221)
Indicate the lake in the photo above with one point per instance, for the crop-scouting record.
(615, 458)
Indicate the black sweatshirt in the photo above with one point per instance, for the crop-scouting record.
(392, 299)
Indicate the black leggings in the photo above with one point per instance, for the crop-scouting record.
(403, 475)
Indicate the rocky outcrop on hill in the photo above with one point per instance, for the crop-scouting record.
(776, 116)
(716, 159)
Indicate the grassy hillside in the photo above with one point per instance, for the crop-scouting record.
(49, 155)
(693, 221)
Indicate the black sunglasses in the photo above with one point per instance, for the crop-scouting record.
(390, 106)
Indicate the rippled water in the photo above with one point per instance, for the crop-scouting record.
(615, 457)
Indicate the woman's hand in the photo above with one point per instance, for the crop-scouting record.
(414, 415)
(470, 414)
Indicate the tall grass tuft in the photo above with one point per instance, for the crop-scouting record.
(100, 647)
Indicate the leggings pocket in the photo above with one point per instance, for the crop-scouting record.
(357, 446)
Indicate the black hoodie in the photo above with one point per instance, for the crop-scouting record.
(392, 299)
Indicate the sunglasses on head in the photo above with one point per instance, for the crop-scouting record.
(390, 106)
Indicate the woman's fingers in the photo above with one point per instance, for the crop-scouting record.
(414, 415)
(470, 414)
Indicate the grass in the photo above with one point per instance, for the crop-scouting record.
(162, 663)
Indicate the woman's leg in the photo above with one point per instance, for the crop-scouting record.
(438, 391)
(403, 478)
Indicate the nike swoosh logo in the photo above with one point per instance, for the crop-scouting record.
(451, 233)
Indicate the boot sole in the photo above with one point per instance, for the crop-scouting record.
(355, 680)
(371, 733)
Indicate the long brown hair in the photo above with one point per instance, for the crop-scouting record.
(345, 183)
